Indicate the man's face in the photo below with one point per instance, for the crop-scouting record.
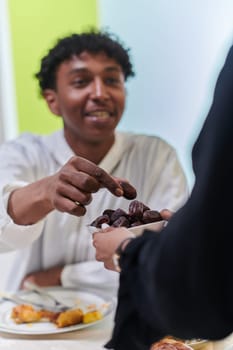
(89, 96)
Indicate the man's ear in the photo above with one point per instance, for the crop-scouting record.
(51, 98)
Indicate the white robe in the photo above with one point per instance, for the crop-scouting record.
(148, 162)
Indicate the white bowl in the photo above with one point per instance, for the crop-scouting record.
(153, 226)
(137, 230)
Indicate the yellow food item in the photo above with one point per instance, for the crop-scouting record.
(92, 316)
(25, 313)
(69, 318)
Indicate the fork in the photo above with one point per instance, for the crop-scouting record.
(19, 300)
(30, 286)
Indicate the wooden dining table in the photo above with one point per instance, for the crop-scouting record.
(90, 338)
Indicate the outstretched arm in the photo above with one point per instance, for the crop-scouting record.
(69, 190)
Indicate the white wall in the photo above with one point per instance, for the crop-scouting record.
(8, 124)
(8, 114)
(178, 47)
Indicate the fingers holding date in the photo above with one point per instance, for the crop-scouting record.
(138, 214)
(129, 191)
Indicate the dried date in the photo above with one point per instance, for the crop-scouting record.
(118, 213)
(121, 221)
(139, 214)
(136, 209)
(108, 212)
(151, 216)
(129, 191)
(102, 219)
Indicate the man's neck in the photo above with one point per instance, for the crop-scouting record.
(94, 152)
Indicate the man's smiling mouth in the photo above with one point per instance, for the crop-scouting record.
(98, 114)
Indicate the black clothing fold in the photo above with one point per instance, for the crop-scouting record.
(180, 281)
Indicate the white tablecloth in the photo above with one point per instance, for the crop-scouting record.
(90, 338)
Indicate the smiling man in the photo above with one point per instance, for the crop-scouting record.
(48, 182)
(90, 96)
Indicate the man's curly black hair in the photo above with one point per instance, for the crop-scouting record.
(92, 41)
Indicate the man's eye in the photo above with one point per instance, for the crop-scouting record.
(80, 82)
(112, 81)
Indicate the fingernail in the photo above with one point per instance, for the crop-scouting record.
(119, 192)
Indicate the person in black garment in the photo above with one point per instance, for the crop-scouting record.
(173, 282)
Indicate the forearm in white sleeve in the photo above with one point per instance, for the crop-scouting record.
(91, 276)
(13, 236)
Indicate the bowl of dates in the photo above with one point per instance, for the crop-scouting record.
(138, 218)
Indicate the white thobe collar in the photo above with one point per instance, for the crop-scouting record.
(62, 152)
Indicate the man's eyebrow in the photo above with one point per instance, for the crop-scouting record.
(113, 69)
(78, 70)
(86, 70)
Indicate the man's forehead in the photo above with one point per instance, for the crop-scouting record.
(85, 60)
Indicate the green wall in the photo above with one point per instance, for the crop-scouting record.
(35, 26)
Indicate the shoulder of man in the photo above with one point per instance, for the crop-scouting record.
(146, 140)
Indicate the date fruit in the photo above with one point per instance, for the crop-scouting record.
(136, 209)
(102, 219)
(138, 214)
(121, 221)
(129, 191)
(151, 216)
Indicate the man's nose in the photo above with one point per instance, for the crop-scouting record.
(99, 89)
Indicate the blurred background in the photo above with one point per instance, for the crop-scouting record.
(177, 47)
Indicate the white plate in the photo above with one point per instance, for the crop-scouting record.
(69, 295)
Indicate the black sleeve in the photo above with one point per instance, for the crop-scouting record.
(180, 281)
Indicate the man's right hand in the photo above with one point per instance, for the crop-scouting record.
(69, 190)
